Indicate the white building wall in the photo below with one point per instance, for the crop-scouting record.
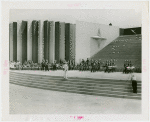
(108, 32)
(87, 46)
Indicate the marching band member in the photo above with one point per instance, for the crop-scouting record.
(46, 65)
(65, 67)
(92, 65)
(99, 65)
(43, 64)
(106, 65)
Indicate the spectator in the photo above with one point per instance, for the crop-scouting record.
(134, 84)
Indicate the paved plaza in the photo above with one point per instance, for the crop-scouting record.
(25, 100)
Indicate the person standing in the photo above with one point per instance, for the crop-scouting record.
(92, 65)
(65, 67)
(87, 61)
(125, 67)
(134, 83)
(99, 64)
(54, 65)
(46, 65)
(106, 66)
(43, 64)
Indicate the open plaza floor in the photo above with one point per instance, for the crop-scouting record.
(25, 100)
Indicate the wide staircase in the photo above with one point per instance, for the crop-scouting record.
(121, 49)
(99, 87)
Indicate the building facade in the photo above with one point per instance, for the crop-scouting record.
(36, 40)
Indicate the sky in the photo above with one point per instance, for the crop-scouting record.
(123, 18)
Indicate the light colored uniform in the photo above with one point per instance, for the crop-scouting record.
(134, 78)
(65, 70)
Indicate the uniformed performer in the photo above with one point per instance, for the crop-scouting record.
(54, 65)
(92, 65)
(106, 66)
(43, 64)
(65, 68)
(46, 65)
(99, 64)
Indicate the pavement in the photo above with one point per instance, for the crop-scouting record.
(25, 100)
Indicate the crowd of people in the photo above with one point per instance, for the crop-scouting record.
(93, 65)
(85, 65)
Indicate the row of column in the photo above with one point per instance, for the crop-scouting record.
(37, 40)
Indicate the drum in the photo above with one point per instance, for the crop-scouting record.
(109, 67)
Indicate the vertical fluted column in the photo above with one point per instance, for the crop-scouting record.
(62, 41)
(11, 41)
(57, 37)
(43, 42)
(35, 41)
(19, 41)
(24, 41)
(73, 41)
(15, 41)
(52, 42)
(46, 40)
(67, 41)
(40, 41)
(29, 41)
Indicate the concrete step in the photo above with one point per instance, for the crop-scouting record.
(83, 92)
(88, 80)
(84, 88)
(37, 75)
(102, 87)
(68, 82)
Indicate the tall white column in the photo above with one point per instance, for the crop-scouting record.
(62, 41)
(29, 40)
(40, 41)
(19, 41)
(52, 42)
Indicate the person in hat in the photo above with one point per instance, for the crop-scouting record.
(65, 67)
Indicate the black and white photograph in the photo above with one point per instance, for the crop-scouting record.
(75, 61)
